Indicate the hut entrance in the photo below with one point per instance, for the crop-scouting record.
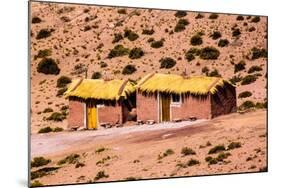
(165, 101)
(92, 119)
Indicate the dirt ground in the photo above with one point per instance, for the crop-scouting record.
(139, 153)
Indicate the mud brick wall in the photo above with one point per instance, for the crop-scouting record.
(147, 107)
(110, 114)
(76, 114)
(199, 107)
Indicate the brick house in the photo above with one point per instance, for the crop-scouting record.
(95, 102)
(167, 97)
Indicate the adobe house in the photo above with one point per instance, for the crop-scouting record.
(168, 97)
(95, 102)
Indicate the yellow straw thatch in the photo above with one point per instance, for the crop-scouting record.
(99, 89)
(200, 85)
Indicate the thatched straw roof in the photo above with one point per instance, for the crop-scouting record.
(99, 89)
(169, 83)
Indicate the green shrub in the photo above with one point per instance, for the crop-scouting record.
(167, 63)
(131, 35)
(247, 105)
(45, 130)
(42, 172)
(57, 129)
(36, 20)
(70, 159)
(180, 14)
(196, 40)
(103, 64)
(255, 19)
(56, 116)
(157, 44)
(189, 57)
(191, 53)
(213, 16)
(223, 42)
(234, 145)
(101, 149)
(187, 151)
(79, 165)
(239, 66)
(216, 149)
(240, 18)
(205, 70)
(192, 162)
(44, 33)
(215, 35)
(63, 81)
(47, 110)
(222, 156)
(150, 40)
(251, 29)
(61, 92)
(43, 53)
(100, 175)
(147, 31)
(129, 69)
(180, 26)
(36, 183)
(254, 68)
(209, 53)
(48, 66)
(214, 73)
(117, 51)
(39, 161)
(258, 53)
(166, 153)
(260, 105)
(235, 79)
(122, 11)
(199, 16)
(117, 37)
(96, 75)
(248, 79)
(136, 53)
(236, 32)
(244, 94)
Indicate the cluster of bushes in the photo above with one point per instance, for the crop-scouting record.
(44, 33)
(117, 51)
(258, 53)
(131, 35)
(223, 42)
(48, 66)
(147, 31)
(70, 159)
(129, 69)
(254, 68)
(100, 175)
(49, 129)
(187, 151)
(245, 94)
(235, 79)
(215, 35)
(214, 73)
(56, 116)
(180, 14)
(250, 104)
(47, 110)
(248, 79)
(96, 75)
(167, 63)
(239, 66)
(209, 53)
(213, 16)
(205, 70)
(43, 53)
(39, 161)
(239, 18)
(181, 24)
(36, 20)
(63, 81)
(191, 53)
(117, 37)
(165, 154)
(196, 40)
(42, 172)
(220, 158)
(136, 53)
(157, 44)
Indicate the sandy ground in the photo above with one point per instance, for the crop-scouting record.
(133, 153)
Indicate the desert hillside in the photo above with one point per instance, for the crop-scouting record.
(129, 43)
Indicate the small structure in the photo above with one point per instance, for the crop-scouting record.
(95, 102)
(167, 97)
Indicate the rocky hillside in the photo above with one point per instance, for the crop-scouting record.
(114, 42)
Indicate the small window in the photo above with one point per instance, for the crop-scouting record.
(100, 105)
(176, 99)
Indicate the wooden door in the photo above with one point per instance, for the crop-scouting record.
(92, 120)
(165, 107)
